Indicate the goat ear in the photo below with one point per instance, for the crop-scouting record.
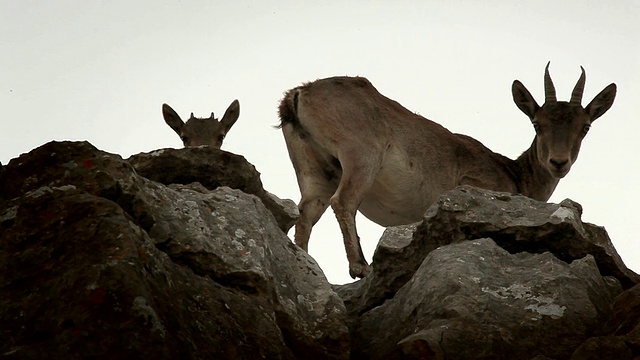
(602, 102)
(172, 118)
(230, 116)
(523, 99)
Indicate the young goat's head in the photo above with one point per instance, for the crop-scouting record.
(202, 131)
(560, 126)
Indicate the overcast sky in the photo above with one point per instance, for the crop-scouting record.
(100, 71)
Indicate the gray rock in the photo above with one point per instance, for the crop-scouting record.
(289, 207)
(391, 268)
(475, 300)
(518, 223)
(515, 222)
(212, 168)
(99, 261)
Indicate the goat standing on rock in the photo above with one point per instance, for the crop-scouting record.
(355, 149)
(206, 131)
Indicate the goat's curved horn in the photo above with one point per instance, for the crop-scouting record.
(549, 89)
(576, 95)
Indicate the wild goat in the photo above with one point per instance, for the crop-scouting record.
(355, 149)
(202, 131)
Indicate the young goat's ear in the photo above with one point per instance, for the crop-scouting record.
(172, 118)
(523, 99)
(230, 116)
(602, 102)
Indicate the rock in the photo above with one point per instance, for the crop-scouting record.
(99, 261)
(80, 279)
(475, 300)
(626, 314)
(514, 222)
(623, 331)
(391, 269)
(518, 224)
(604, 347)
(291, 212)
(212, 168)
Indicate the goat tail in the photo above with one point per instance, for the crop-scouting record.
(288, 109)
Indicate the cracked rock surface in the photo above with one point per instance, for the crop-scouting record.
(181, 254)
(98, 261)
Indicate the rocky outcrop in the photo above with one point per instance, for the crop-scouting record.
(486, 275)
(212, 168)
(515, 222)
(110, 258)
(98, 261)
(494, 305)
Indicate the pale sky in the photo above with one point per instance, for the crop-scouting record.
(100, 71)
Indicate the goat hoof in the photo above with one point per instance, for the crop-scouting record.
(359, 270)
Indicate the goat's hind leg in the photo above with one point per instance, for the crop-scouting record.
(313, 203)
(316, 187)
(358, 174)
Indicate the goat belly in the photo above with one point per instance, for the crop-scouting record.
(389, 205)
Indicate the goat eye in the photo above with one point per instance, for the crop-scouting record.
(585, 129)
(221, 137)
(184, 139)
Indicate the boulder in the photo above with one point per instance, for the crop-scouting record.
(212, 168)
(475, 300)
(515, 222)
(98, 261)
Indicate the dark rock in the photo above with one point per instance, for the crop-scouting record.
(623, 331)
(100, 262)
(80, 279)
(626, 313)
(474, 300)
(604, 347)
(212, 168)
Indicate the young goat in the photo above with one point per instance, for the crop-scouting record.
(205, 131)
(355, 149)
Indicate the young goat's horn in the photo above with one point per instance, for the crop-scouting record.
(549, 89)
(576, 95)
